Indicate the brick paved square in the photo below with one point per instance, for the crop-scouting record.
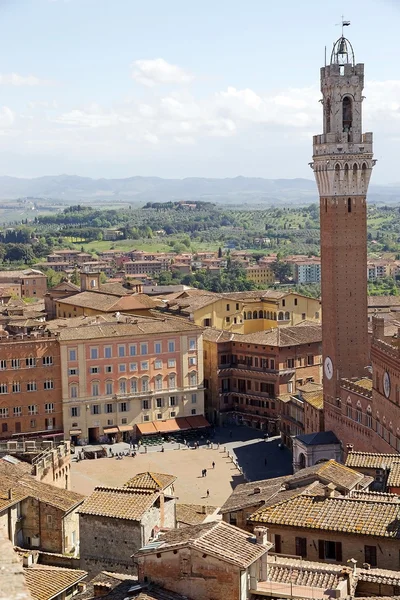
(186, 464)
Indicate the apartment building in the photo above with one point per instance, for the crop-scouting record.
(117, 375)
(30, 385)
(32, 283)
(261, 275)
(308, 271)
(246, 374)
(144, 267)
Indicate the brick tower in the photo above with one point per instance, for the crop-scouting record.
(342, 163)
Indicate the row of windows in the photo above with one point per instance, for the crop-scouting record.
(49, 424)
(250, 402)
(31, 386)
(111, 407)
(32, 409)
(29, 363)
(144, 366)
(134, 385)
(131, 350)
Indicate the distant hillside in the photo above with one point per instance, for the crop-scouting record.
(237, 190)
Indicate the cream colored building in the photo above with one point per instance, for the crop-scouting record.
(118, 375)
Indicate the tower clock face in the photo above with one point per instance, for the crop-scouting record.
(386, 384)
(328, 367)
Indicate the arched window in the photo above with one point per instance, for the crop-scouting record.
(122, 386)
(73, 390)
(244, 315)
(254, 314)
(171, 381)
(260, 314)
(134, 385)
(302, 460)
(109, 387)
(145, 384)
(158, 382)
(193, 379)
(249, 314)
(280, 316)
(274, 316)
(287, 316)
(95, 388)
(347, 113)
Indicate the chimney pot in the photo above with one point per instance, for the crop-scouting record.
(330, 490)
(257, 490)
(261, 534)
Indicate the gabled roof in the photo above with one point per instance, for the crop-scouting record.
(19, 481)
(283, 336)
(151, 481)
(105, 302)
(119, 503)
(344, 514)
(221, 540)
(66, 286)
(194, 514)
(46, 583)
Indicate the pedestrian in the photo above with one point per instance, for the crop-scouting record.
(205, 472)
(202, 473)
(213, 465)
(208, 493)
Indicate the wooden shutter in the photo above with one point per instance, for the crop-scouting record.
(338, 552)
(321, 549)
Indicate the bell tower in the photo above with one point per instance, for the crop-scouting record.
(342, 163)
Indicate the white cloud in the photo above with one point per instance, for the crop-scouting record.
(15, 79)
(153, 72)
(6, 117)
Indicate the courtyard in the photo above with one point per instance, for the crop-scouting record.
(257, 458)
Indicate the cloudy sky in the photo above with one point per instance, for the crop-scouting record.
(180, 88)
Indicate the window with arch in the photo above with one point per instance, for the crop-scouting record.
(158, 382)
(172, 381)
(244, 316)
(347, 107)
(249, 314)
(349, 408)
(95, 388)
(109, 388)
(378, 424)
(254, 314)
(260, 314)
(134, 385)
(280, 316)
(122, 386)
(274, 316)
(368, 417)
(359, 412)
(73, 390)
(145, 384)
(287, 316)
(193, 379)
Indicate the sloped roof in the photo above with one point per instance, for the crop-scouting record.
(119, 503)
(370, 460)
(219, 539)
(193, 514)
(20, 482)
(45, 583)
(319, 438)
(283, 336)
(344, 514)
(394, 475)
(151, 481)
(106, 302)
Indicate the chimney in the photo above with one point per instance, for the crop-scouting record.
(378, 328)
(349, 447)
(261, 534)
(257, 490)
(101, 589)
(203, 510)
(330, 490)
(81, 587)
(10, 494)
(27, 559)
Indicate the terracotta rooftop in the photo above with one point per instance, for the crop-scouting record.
(394, 475)
(346, 514)
(303, 333)
(45, 583)
(383, 301)
(375, 496)
(217, 335)
(193, 514)
(136, 326)
(273, 491)
(106, 302)
(370, 460)
(364, 382)
(16, 478)
(119, 503)
(219, 539)
(151, 481)
(304, 573)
